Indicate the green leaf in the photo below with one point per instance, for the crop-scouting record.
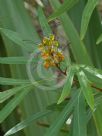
(78, 48)
(99, 40)
(11, 81)
(94, 75)
(93, 71)
(11, 105)
(43, 22)
(67, 5)
(87, 91)
(57, 107)
(25, 123)
(59, 121)
(98, 119)
(89, 8)
(79, 117)
(67, 87)
(98, 100)
(16, 17)
(15, 60)
(16, 38)
(8, 93)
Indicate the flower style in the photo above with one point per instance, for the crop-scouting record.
(50, 52)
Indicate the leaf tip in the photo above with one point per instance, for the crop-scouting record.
(97, 42)
(6, 134)
(81, 37)
(59, 101)
(49, 19)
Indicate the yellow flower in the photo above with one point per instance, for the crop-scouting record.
(45, 55)
(60, 56)
(41, 47)
(45, 41)
(56, 43)
(49, 63)
(52, 37)
(46, 65)
(50, 52)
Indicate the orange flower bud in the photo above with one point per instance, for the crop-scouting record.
(50, 52)
(46, 65)
(45, 55)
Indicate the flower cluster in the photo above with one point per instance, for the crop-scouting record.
(50, 52)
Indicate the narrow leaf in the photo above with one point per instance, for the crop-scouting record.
(8, 93)
(79, 117)
(67, 87)
(15, 60)
(67, 5)
(89, 8)
(93, 71)
(43, 22)
(11, 81)
(57, 107)
(16, 38)
(25, 123)
(87, 91)
(98, 120)
(78, 48)
(94, 75)
(11, 105)
(57, 124)
(99, 40)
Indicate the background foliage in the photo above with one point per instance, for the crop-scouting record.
(36, 111)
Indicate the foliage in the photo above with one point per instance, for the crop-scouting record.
(79, 99)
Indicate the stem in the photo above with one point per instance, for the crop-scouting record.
(63, 72)
(99, 89)
(57, 65)
(92, 85)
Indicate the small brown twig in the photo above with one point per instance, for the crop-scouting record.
(92, 85)
(63, 72)
(76, 81)
(99, 89)
(57, 65)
